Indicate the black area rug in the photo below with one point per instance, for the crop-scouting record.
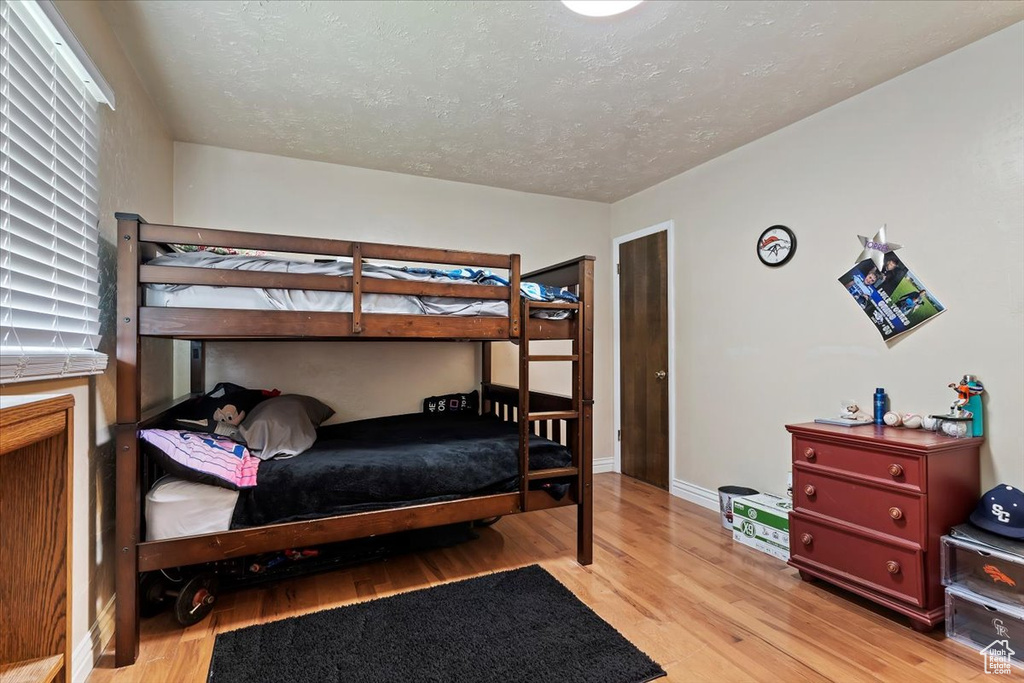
(519, 625)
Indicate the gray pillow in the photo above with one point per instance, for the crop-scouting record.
(283, 426)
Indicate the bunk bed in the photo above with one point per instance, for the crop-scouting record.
(500, 314)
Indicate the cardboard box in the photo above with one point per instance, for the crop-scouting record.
(762, 522)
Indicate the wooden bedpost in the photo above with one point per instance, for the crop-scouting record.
(129, 408)
(485, 377)
(515, 323)
(357, 289)
(523, 413)
(585, 507)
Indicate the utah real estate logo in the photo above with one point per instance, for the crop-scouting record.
(997, 654)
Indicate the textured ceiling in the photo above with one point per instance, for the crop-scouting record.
(522, 95)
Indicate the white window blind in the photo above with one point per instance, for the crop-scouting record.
(49, 278)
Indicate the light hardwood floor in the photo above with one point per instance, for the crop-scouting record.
(665, 574)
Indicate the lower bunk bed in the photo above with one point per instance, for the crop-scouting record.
(358, 480)
(375, 464)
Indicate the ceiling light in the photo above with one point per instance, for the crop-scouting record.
(600, 8)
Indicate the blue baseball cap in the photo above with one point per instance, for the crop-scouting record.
(1001, 511)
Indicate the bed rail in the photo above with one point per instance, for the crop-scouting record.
(215, 324)
(321, 246)
(188, 550)
(564, 274)
(503, 402)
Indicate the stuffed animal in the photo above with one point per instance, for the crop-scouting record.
(221, 410)
(230, 414)
(851, 411)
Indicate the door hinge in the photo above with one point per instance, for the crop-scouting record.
(620, 435)
(618, 268)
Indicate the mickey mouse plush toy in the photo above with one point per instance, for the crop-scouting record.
(230, 414)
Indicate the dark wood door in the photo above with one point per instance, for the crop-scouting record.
(643, 357)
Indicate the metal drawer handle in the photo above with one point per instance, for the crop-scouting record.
(895, 470)
(809, 453)
(809, 490)
(892, 567)
(807, 539)
(895, 513)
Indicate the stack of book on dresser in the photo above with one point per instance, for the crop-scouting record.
(984, 578)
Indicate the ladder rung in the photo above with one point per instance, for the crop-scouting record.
(572, 358)
(554, 473)
(560, 305)
(553, 415)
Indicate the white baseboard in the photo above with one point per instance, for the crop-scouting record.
(604, 465)
(84, 657)
(695, 494)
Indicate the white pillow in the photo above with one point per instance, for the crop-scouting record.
(283, 426)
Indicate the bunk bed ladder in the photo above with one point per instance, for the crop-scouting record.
(526, 418)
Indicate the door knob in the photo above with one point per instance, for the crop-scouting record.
(660, 374)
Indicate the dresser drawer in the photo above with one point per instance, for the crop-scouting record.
(884, 567)
(876, 465)
(886, 510)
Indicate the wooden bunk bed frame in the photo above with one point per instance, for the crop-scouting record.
(139, 241)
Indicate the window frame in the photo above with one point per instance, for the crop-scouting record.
(49, 197)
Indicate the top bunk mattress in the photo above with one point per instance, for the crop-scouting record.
(251, 298)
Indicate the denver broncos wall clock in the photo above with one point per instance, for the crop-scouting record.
(776, 246)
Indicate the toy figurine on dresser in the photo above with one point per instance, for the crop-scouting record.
(968, 402)
(965, 415)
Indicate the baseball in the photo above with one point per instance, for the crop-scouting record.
(955, 428)
(892, 419)
(930, 423)
(912, 420)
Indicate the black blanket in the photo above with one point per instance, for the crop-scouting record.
(390, 462)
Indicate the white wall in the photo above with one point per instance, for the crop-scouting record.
(135, 174)
(937, 154)
(223, 188)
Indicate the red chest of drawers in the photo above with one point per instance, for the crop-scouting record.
(870, 505)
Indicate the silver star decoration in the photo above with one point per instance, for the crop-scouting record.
(876, 248)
